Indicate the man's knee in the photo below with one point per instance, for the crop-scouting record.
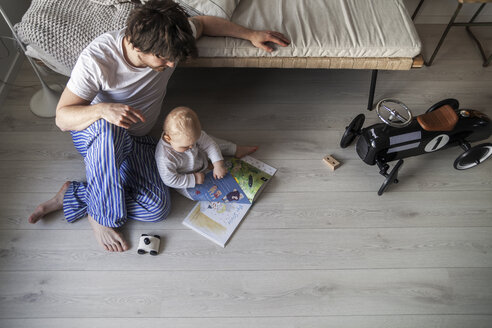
(154, 213)
(160, 209)
(102, 127)
(150, 207)
(106, 138)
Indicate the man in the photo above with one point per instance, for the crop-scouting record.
(112, 100)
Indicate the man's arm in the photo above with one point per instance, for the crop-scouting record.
(75, 113)
(215, 26)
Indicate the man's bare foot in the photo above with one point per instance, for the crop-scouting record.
(54, 204)
(242, 151)
(109, 238)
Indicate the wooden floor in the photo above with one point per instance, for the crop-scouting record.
(318, 249)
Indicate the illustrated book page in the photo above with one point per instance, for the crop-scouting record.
(224, 203)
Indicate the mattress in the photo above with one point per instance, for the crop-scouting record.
(323, 28)
(360, 34)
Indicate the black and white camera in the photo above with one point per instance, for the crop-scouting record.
(149, 244)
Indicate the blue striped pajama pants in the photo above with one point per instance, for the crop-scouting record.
(122, 178)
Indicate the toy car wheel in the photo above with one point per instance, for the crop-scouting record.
(391, 178)
(352, 130)
(141, 251)
(473, 156)
(450, 101)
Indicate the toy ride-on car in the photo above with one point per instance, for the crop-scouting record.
(401, 135)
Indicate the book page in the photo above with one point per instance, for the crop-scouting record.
(218, 190)
(226, 201)
(250, 174)
(216, 221)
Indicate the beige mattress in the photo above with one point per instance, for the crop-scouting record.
(362, 34)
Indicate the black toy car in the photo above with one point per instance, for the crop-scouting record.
(401, 135)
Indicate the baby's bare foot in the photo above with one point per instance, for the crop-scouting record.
(54, 204)
(242, 151)
(109, 238)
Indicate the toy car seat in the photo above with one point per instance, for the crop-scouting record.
(443, 118)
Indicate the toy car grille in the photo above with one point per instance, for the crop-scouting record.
(362, 148)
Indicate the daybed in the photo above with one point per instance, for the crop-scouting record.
(332, 34)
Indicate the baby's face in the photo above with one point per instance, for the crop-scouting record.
(181, 143)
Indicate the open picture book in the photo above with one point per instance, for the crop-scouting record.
(223, 203)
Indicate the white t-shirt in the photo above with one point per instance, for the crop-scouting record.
(102, 74)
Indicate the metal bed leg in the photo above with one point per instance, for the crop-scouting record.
(417, 9)
(450, 24)
(374, 77)
(486, 61)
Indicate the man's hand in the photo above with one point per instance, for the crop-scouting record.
(219, 170)
(120, 114)
(260, 39)
(199, 177)
(216, 26)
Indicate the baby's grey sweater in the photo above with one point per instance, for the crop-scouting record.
(176, 168)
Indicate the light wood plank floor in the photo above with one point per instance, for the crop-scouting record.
(319, 249)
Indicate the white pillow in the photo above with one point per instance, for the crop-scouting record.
(110, 2)
(219, 8)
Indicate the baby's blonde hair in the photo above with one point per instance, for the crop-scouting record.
(182, 121)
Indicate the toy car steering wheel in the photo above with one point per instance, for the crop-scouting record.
(387, 110)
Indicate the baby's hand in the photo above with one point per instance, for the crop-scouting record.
(219, 170)
(199, 177)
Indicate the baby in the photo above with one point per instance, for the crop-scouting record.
(183, 152)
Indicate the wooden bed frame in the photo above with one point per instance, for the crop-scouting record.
(374, 64)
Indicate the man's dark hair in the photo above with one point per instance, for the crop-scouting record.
(161, 28)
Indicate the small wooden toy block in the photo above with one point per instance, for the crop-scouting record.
(331, 162)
